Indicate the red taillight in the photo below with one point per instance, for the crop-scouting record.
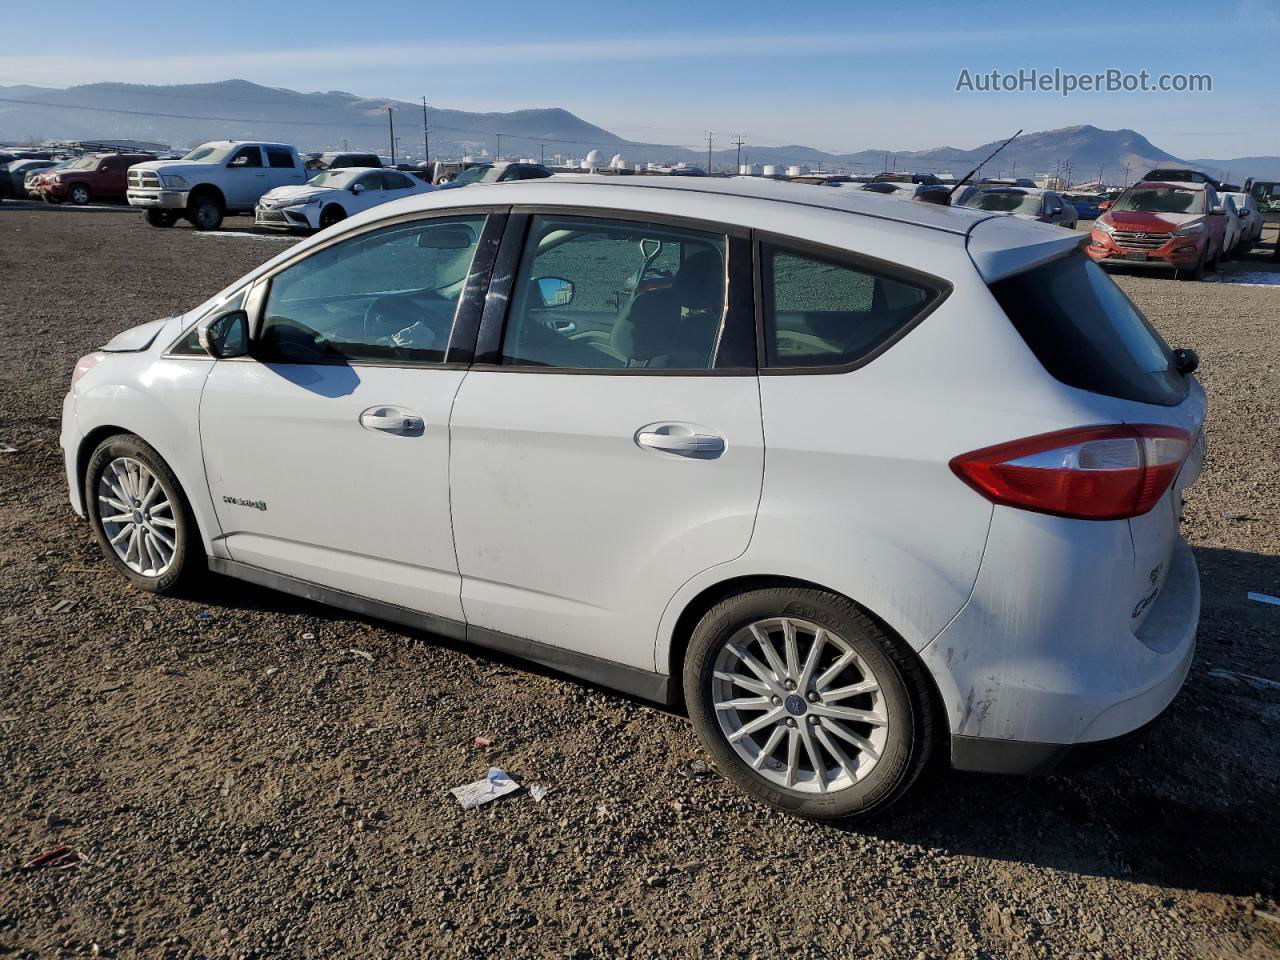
(1090, 473)
(84, 365)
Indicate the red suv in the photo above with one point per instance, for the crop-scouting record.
(1170, 226)
(95, 176)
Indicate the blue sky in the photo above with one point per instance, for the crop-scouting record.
(842, 76)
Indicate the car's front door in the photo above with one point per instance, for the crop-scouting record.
(247, 178)
(327, 449)
(607, 445)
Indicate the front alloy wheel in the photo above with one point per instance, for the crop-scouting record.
(807, 703)
(139, 516)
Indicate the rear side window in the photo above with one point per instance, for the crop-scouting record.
(1088, 334)
(823, 313)
(277, 157)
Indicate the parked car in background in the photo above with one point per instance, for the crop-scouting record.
(904, 190)
(335, 160)
(370, 419)
(1266, 193)
(90, 177)
(334, 195)
(1250, 220)
(213, 180)
(1232, 226)
(1026, 203)
(1088, 206)
(498, 173)
(1179, 226)
(31, 182)
(18, 170)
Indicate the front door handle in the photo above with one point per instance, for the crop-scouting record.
(681, 440)
(394, 421)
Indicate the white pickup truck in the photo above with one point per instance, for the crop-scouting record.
(213, 180)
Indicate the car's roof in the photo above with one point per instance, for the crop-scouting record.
(930, 215)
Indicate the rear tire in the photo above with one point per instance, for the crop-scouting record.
(205, 213)
(79, 194)
(808, 760)
(157, 544)
(330, 215)
(161, 218)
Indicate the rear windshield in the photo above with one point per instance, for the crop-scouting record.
(1088, 334)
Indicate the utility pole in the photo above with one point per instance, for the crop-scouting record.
(391, 126)
(426, 138)
(1126, 175)
(708, 152)
(344, 144)
(738, 142)
(498, 156)
(542, 154)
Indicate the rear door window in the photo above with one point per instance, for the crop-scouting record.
(821, 312)
(1088, 334)
(279, 157)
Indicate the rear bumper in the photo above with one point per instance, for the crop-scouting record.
(1036, 665)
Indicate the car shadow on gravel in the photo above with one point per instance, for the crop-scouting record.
(1190, 802)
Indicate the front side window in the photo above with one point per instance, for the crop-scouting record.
(387, 296)
(246, 157)
(820, 312)
(277, 157)
(615, 295)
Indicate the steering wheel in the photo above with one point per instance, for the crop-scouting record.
(388, 315)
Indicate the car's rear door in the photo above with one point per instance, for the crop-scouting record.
(327, 449)
(607, 444)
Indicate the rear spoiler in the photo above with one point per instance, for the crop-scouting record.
(1003, 246)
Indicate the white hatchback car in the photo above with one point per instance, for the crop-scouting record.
(334, 195)
(860, 482)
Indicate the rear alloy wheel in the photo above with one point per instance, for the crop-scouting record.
(161, 218)
(806, 703)
(78, 194)
(139, 516)
(330, 215)
(205, 213)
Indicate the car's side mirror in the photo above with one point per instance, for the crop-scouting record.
(554, 291)
(1219, 211)
(226, 335)
(357, 188)
(1186, 361)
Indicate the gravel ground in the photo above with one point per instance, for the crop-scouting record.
(237, 782)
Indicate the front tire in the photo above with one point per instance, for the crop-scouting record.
(79, 194)
(807, 703)
(140, 516)
(205, 213)
(161, 218)
(330, 215)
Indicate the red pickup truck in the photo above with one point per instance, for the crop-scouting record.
(95, 176)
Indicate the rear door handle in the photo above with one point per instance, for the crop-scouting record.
(394, 421)
(681, 440)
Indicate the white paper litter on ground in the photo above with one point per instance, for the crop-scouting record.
(537, 791)
(497, 784)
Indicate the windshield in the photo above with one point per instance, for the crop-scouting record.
(1005, 201)
(337, 179)
(1161, 200)
(82, 163)
(213, 152)
(472, 175)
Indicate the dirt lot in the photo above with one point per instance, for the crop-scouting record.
(239, 784)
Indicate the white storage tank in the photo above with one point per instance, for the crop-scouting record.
(749, 170)
(772, 170)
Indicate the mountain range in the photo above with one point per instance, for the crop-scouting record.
(184, 115)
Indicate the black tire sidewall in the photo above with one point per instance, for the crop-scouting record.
(79, 190)
(187, 551)
(893, 772)
(201, 203)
